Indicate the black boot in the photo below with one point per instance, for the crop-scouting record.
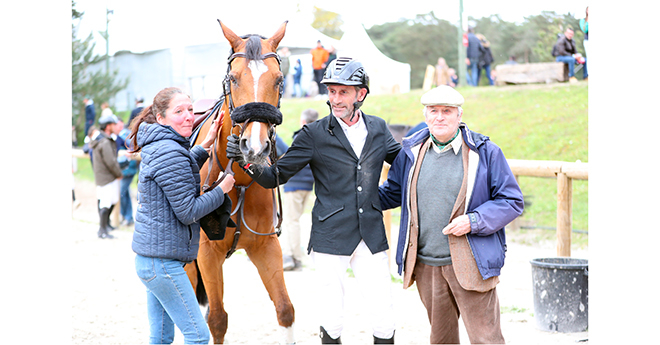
(104, 216)
(110, 227)
(326, 339)
(384, 341)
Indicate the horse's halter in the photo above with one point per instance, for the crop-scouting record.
(226, 85)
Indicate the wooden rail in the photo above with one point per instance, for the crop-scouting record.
(564, 172)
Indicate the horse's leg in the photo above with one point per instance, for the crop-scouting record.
(210, 260)
(267, 257)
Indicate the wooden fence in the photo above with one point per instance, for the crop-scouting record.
(564, 172)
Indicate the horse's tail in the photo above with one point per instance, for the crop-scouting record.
(200, 292)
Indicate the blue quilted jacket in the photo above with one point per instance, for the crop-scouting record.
(169, 200)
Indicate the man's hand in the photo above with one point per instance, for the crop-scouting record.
(234, 151)
(458, 227)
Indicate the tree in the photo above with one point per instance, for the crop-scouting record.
(99, 85)
(418, 42)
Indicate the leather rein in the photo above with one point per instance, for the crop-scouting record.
(240, 193)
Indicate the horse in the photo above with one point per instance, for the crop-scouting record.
(253, 87)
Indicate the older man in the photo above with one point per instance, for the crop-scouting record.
(456, 193)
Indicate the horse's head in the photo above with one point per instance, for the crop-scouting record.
(253, 87)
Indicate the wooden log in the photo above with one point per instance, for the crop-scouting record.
(528, 73)
(535, 168)
(429, 78)
(578, 171)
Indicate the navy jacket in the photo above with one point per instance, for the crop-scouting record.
(494, 200)
(169, 201)
(347, 209)
(302, 180)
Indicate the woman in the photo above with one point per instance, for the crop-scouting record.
(167, 228)
(584, 26)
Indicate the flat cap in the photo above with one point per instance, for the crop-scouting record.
(108, 119)
(443, 95)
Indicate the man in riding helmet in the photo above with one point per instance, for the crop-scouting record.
(345, 151)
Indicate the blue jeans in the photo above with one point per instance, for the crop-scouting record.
(473, 71)
(125, 204)
(171, 300)
(487, 69)
(570, 61)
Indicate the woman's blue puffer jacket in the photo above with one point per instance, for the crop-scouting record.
(169, 201)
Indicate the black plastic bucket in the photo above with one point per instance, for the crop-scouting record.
(561, 294)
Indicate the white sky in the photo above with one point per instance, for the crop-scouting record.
(145, 25)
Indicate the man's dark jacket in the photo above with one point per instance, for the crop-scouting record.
(564, 47)
(347, 207)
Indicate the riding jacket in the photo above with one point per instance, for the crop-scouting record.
(347, 209)
(169, 201)
(493, 199)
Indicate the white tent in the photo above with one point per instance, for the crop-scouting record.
(386, 75)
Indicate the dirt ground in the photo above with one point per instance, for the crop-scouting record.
(109, 304)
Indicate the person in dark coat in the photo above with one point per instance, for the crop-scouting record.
(345, 151)
(485, 59)
(472, 59)
(564, 51)
(90, 113)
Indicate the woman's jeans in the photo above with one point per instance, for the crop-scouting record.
(125, 204)
(171, 300)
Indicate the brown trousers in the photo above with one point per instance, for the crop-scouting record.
(445, 300)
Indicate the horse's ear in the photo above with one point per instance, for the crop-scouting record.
(277, 37)
(234, 39)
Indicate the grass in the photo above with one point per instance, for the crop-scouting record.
(533, 122)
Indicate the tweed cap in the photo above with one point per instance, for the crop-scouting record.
(443, 95)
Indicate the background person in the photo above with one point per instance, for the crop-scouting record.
(456, 193)
(296, 193)
(319, 59)
(107, 172)
(345, 151)
(166, 235)
(564, 51)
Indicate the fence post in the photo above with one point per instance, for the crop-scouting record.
(564, 214)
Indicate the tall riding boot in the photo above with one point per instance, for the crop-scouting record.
(110, 227)
(104, 216)
(326, 339)
(383, 341)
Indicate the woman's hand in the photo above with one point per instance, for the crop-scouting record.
(213, 132)
(228, 183)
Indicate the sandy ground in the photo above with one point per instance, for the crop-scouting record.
(109, 304)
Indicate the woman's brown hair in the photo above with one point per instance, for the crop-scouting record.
(148, 115)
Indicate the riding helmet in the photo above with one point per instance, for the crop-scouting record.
(346, 71)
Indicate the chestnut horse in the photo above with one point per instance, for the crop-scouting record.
(253, 88)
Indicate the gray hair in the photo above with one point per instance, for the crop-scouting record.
(460, 110)
(309, 115)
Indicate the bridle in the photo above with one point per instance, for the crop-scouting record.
(240, 205)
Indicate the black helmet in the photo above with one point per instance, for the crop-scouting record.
(346, 71)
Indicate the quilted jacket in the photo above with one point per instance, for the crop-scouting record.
(169, 201)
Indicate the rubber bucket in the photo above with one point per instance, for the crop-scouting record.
(561, 294)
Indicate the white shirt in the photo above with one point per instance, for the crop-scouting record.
(356, 134)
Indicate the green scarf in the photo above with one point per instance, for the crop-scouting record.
(443, 145)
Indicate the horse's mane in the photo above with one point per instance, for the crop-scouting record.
(252, 47)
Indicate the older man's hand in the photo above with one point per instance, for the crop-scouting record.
(458, 227)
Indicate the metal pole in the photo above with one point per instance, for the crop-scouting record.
(107, 40)
(462, 69)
